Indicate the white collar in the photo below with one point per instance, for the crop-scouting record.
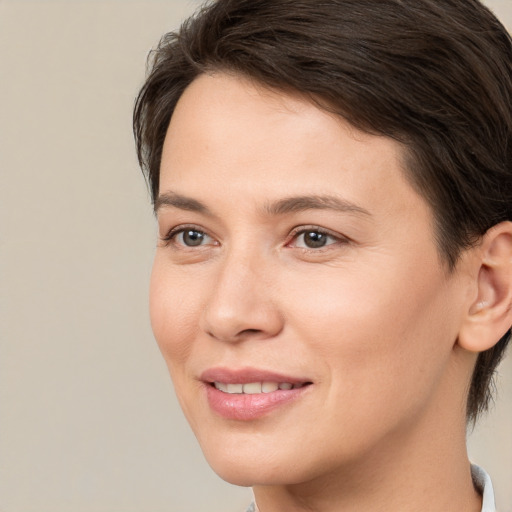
(483, 484)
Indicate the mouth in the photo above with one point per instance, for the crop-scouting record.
(249, 394)
(255, 388)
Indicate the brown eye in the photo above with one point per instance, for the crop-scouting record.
(192, 238)
(189, 237)
(315, 239)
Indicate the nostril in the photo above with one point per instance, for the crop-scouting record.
(245, 333)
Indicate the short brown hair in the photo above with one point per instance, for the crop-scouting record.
(432, 74)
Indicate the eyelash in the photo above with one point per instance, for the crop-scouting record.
(170, 238)
(337, 239)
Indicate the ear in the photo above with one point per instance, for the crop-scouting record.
(490, 315)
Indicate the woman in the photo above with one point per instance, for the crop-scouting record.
(332, 287)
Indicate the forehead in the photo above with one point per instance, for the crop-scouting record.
(231, 135)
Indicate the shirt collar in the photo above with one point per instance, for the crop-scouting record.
(483, 484)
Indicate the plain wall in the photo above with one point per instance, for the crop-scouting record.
(88, 420)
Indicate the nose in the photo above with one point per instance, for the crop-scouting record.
(241, 302)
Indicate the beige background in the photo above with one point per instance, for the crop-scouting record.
(88, 418)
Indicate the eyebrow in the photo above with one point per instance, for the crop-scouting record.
(281, 207)
(304, 203)
(171, 199)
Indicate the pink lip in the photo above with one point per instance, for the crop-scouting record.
(246, 375)
(244, 407)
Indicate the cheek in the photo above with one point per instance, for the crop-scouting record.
(373, 330)
(375, 345)
(173, 315)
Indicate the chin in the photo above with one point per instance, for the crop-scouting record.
(244, 463)
(250, 474)
(249, 464)
(243, 477)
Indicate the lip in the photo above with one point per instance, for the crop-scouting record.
(244, 407)
(246, 375)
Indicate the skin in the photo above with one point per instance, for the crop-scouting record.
(372, 318)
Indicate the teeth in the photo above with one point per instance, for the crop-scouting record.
(253, 388)
(268, 387)
(235, 388)
(221, 386)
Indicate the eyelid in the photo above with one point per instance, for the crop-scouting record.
(299, 230)
(169, 238)
(294, 234)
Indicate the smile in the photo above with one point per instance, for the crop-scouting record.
(254, 388)
(247, 394)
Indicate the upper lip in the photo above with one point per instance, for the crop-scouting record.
(247, 375)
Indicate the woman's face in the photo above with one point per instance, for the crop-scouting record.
(294, 254)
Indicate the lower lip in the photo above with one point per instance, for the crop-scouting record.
(244, 407)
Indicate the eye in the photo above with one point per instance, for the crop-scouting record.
(313, 238)
(191, 237)
(188, 237)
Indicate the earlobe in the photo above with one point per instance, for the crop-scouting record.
(490, 315)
